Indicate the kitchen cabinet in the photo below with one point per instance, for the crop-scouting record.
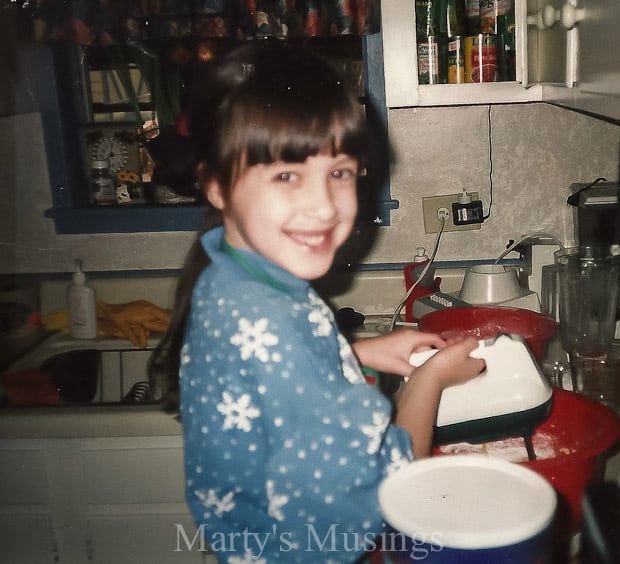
(95, 499)
(577, 67)
(55, 77)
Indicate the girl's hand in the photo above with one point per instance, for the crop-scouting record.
(453, 365)
(390, 353)
(419, 400)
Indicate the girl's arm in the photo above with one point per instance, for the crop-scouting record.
(417, 405)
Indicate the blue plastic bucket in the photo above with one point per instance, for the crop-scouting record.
(467, 509)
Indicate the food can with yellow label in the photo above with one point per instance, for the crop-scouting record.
(481, 58)
(456, 60)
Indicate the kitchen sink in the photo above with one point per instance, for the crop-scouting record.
(63, 370)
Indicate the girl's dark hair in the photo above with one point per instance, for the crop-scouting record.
(260, 103)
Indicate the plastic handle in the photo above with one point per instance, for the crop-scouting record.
(570, 16)
(546, 18)
(417, 359)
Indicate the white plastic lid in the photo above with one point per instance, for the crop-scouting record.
(420, 255)
(467, 501)
(465, 197)
(79, 277)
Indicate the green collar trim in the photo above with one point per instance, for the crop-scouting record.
(257, 272)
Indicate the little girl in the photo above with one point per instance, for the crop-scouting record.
(285, 443)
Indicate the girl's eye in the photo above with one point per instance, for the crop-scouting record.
(344, 173)
(286, 177)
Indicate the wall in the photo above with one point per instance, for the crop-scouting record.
(537, 151)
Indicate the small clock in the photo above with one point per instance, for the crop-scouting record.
(112, 149)
(115, 144)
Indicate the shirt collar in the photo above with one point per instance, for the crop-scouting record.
(256, 266)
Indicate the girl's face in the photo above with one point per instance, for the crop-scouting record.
(295, 214)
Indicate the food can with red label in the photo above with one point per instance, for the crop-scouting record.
(481, 58)
(456, 60)
(428, 61)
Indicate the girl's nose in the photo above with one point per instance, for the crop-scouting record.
(320, 201)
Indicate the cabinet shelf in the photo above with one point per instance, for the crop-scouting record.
(126, 219)
(485, 93)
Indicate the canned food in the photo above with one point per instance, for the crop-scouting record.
(428, 61)
(456, 60)
(481, 58)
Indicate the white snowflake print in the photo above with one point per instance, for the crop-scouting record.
(397, 461)
(185, 356)
(211, 501)
(247, 558)
(323, 327)
(375, 431)
(237, 414)
(350, 367)
(254, 339)
(276, 501)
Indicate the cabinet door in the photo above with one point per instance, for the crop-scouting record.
(26, 524)
(27, 539)
(127, 539)
(595, 45)
(135, 499)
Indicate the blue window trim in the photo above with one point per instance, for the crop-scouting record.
(53, 69)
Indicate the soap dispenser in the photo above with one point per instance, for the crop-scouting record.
(81, 302)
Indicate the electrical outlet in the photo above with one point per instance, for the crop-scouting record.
(434, 206)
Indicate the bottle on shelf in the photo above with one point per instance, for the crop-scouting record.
(472, 9)
(426, 38)
(102, 184)
(450, 16)
(82, 306)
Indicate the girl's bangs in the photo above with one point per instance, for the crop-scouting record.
(272, 134)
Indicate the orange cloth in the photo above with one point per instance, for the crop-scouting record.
(132, 320)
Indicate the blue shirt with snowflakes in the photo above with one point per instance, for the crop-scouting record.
(285, 443)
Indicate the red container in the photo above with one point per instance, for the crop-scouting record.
(487, 322)
(585, 429)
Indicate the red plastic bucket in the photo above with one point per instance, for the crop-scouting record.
(487, 322)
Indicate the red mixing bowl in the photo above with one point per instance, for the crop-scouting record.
(583, 431)
(486, 322)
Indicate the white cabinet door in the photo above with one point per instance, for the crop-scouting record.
(27, 539)
(26, 525)
(596, 72)
(148, 538)
(135, 502)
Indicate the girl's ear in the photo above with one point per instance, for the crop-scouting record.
(214, 193)
(211, 188)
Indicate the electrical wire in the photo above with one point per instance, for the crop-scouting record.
(399, 307)
(490, 137)
(525, 238)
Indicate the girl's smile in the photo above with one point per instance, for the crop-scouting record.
(295, 214)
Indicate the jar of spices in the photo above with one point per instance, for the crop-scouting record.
(102, 184)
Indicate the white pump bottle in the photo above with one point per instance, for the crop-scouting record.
(81, 302)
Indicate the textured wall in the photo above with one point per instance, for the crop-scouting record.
(537, 151)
